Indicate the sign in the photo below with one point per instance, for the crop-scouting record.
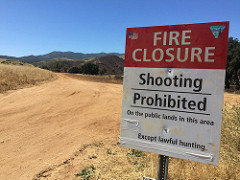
(173, 90)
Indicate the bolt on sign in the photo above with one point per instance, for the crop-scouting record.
(173, 90)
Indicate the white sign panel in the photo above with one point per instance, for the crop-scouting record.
(169, 110)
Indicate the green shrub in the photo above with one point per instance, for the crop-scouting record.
(136, 153)
(90, 68)
(87, 173)
(75, 70)
(109, 151)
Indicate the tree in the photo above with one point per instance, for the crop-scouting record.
(75, 70)
(45, 67)
(233, 63)
(90, 68)
(57, 66)
(103, 71)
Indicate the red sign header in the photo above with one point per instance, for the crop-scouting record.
(194, 46)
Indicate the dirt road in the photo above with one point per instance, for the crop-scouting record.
(43, 126)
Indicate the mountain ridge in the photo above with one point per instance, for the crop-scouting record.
(109, 64)
(58, 54)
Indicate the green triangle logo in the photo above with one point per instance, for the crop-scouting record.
(217, 30)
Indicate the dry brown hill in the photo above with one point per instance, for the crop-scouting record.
(17, 74)
(110, 64)
(14, 62)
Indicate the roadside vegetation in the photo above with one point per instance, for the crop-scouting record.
(117, 79)
(233, 64)
(229, 163)
(87, 173)
(88, 68)
(108, 160)
(15, 75)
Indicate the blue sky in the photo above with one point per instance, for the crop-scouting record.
(34, 27)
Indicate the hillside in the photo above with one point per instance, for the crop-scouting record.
(58, 54)
(58, 64)
(109, 64)
(14, 62)
(16, 74)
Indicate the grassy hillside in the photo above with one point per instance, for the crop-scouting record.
(14, 62)
(14, 75)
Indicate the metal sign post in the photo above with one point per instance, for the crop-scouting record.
(162, 167)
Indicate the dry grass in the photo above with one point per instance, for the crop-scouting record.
(117, 79)
(14, 76)
(114, 162)
(229, 164)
